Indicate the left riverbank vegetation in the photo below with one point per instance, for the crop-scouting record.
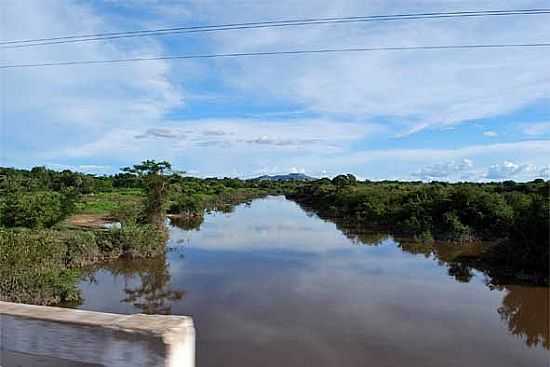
(55, 223)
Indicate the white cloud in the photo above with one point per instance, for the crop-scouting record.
(508, 170)
(398, 163)
(115, 114)
(245, 135)
(536, 148)
(76, 104)
(297, 170)
(444, 170)
(539, 128)
(84, 168)
(421, 90)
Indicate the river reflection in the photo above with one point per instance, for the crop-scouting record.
(145, 283)
(269, 285)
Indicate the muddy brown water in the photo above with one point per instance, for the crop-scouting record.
(271, 285)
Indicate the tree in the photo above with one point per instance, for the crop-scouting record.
(344, 180)
(155, 181)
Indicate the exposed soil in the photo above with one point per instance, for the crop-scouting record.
(90, 220)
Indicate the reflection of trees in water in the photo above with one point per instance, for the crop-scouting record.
(456, 257)
(526, 310)
(147, 284)
(357, 233)
(362, 236)
(152, 295)
(460, 271)
(187, 223)
(416, 248)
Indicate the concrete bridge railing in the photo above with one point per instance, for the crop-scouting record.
(51, 336)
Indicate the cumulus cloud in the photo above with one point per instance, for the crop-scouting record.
(508, 170)
(490, 134)
(444, 170)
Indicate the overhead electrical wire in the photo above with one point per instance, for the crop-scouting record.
(280, 52)
(263, 24)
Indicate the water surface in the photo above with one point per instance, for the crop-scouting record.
(270, 285)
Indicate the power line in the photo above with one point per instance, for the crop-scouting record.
(281, 52)
(264, 24)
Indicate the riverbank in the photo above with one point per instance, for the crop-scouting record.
(349, 300)
(512, 218)
(50, 231)
(52, 223)
(43, 266)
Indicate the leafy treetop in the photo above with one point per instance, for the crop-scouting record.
(149, 167)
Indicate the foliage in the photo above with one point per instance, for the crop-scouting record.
(40, 209)
(39, 265)
(42, 266)
(344, 180)
(515, 215)
(43, 179)
(32, 268)
(156, 186)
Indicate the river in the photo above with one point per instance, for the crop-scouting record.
(272, 285)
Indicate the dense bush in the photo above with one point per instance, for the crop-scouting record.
(33, 209)
(183, 204)
(42, 266)
(515, 216)
(128, 212)
(132, 241)
(33, 269)
(43, 179)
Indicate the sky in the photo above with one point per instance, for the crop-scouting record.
(446, 115)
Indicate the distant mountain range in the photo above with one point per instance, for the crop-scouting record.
(289, 177)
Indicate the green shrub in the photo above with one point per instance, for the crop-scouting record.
(187, 204)
(128, 212)
(42, 266)
(133, 241)
(33, 209)
(33, 269)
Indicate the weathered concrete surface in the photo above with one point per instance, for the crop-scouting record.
(94, 338)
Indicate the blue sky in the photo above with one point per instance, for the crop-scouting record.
(452, 115)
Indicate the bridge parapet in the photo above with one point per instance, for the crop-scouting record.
(51, 336)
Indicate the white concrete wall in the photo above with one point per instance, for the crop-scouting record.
(64, 336)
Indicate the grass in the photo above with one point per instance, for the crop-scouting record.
(104, 203)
